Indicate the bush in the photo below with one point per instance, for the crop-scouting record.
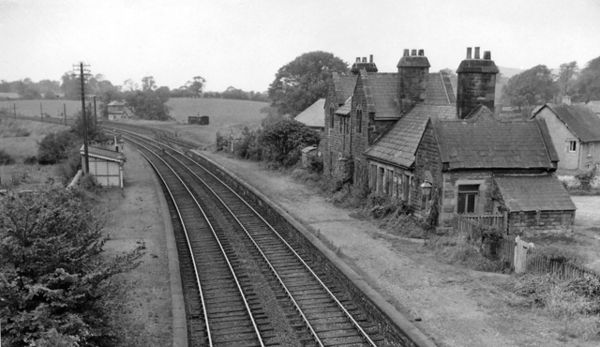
(53, 273)
(585, 179)
(30, 160)
(283, 140)
(5, 158)
(68, 168)
(55, 147)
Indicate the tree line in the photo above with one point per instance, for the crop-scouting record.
(69, 88)
(539, 85)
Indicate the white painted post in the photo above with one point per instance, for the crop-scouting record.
(521, 250)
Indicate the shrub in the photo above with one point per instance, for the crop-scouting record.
(283, 140)
(68, 168)
(585, 178)
(5, 158)
(53, 273)
(55, 146)
(30, 160)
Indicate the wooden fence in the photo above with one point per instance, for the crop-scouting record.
(562, 269)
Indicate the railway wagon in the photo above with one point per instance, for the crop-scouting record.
(200, 120)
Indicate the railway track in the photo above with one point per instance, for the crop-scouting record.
(222, 315)
(312, 310)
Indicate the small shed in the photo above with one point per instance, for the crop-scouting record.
(535, 203)
(105, 165)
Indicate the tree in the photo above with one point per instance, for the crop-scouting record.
(587, 85)
(52, 275)
(303, 81)
(150, 102)
(148, 83)
(70, 86)
(284, 139)
(196, 86)
(566, 76)
(531, 87)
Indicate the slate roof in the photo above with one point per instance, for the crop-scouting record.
(533, 193)
(381, 90)
(439, 90)
(344, 86)
(103, 153)
(313, 115)
(399, 144)
(580, 120)
(483, 142)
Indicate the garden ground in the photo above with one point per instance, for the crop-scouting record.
(454, 305)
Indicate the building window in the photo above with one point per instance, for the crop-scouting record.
(467, 198)
(380, 174)
(331, 117)
(572, 146)
(373, 177)
(346, 126)
(359, 120)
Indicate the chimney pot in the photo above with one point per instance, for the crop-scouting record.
(358, 59)
(477, 53)
(487, 55)
(364, 59)
(421, 52)
(405, 53)
(371, 58)
(413, 52)
(469, 50)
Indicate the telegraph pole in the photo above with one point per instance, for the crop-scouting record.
(86, 167)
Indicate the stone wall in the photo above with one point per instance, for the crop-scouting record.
(428, 165)
(531, 223)
(451, 181)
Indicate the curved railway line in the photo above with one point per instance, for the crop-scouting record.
(244, 284)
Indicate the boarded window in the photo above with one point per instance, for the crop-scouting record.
(467, 198)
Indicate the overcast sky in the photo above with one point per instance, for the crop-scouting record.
(244, 43)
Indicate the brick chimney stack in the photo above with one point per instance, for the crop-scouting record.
(476, 83)
(413, 71)
(362, 64)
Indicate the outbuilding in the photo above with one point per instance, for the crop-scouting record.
(105, 165)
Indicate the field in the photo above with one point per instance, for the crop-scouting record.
(52, 108)
(225, 116)
(19, 138)
(222, 112)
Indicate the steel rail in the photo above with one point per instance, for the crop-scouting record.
(187, 239)
(220, 247)
(308, 268)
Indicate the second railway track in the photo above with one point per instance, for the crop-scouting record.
(290, 302)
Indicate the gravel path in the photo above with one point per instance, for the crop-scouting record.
(453, 305)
